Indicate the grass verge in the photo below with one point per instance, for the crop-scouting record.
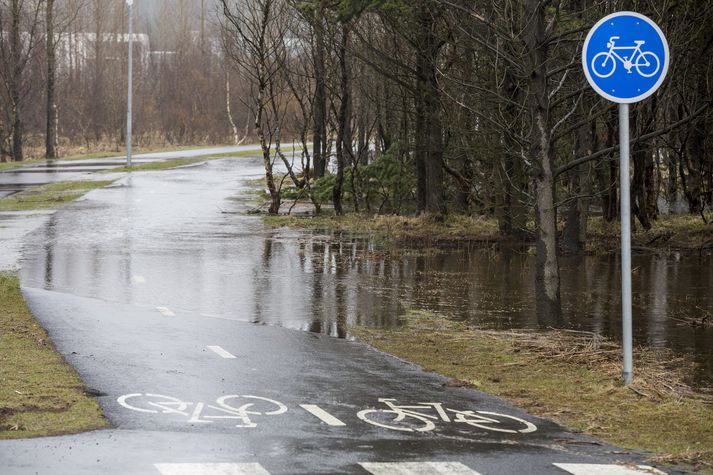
(571, 377)
(40, 394)
(118, 153)
(179, 162)
(162, 165)
(49, 196)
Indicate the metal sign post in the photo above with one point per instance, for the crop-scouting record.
(130, 3)
(625, 58)
(628, 371)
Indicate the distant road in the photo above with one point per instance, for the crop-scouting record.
(51, 171)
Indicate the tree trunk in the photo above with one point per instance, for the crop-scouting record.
(319, 144)
(228, 109)
(15, 82)
(642, 155)
(51, 132)
(607, 173)
(510, 175)
(260, 103)
(429, 130)
(547, 278)
(575, 229)
(343, 134)
(420, 143)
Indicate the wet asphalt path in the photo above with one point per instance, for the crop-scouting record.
(148, 288)
(51, 171)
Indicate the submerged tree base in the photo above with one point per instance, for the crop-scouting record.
(571, 377)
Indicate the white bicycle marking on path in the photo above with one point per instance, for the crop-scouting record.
(421, 418)
(202, 413)
(406, 418)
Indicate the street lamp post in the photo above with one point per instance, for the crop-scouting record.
(130, 3)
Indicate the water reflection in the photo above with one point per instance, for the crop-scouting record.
(132, 244)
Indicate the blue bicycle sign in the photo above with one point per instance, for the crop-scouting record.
(625, 57)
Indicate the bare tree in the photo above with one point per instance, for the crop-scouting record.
(17, 46)
(51, 52)
(254, 32)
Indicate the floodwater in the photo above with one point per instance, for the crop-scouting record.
(183, 239)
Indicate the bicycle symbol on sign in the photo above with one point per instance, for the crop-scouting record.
(646, 63)
(205, 413)
(421, 418)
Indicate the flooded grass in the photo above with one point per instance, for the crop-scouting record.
(571, 377)
(414, 230)
(40, 394)
(51, 195)
(672, 232)
(669, 233)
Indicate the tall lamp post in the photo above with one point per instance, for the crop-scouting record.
(130, 3)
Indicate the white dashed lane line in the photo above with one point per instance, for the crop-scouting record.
(221, 352)
(322, 415)
(605, 469)
(418, 468)
(396, 468)
(211, 469)
(165, 311)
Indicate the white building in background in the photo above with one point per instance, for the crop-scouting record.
(76, 50)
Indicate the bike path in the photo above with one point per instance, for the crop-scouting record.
(129, 282)
(123, 350)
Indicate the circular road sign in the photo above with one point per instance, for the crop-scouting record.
(625, 57)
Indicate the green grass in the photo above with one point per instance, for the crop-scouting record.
(117, 153)
(159, 165)
(252, 153)
(135, 151)
(40, 394)
(42, 161)
(52, 195)
(178, 162)
(568, 377)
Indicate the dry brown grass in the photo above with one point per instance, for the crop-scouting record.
(669, 233)
(424, 230)
(571, 377)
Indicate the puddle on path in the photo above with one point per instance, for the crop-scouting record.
(182, 239)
